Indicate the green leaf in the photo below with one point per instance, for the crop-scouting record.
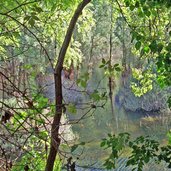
(43, 134)
(116, 65)
(168, 47)
(95, 96)
(147, 13)
(169, 33)
(78, 81)
(26, 18)
(132, 7)
(41, 121)
(138, 45)
(103, 61)
(153, 46)
(146, 49)
(103, 143)
(127, 2)
(101, 66)
(35, 17)
(83, 83)
(160, 47)
(169, 102)
(137, 4)
(31, 22)
(140, 13)
(38, 9)
(118, 69)
(72, 108)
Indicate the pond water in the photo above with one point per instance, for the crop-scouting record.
(98, 123)
(93, 129)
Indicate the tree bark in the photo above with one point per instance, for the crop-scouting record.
(55, 140)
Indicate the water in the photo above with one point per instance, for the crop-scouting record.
(96, 124)
(93, 129)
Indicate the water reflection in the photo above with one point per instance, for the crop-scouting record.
(96, 127)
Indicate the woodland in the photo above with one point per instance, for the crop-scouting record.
(85, 85)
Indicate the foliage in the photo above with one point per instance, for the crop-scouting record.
(142, 151)
(143, 81)
(109, 70)
(31, 34)
(35, 160)
(82, 81)
(116, 144)
(169, 102)
(150, 35)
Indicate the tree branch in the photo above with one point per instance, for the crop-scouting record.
(24, 4)
(55, 139)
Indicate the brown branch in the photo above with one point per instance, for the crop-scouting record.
(122, 13)
(55, 139)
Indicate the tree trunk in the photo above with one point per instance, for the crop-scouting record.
(55, 140)
(111, 78)
(111, 81)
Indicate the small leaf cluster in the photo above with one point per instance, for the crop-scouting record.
(109, 69)
(35, 160)
(169, 102)
(82, 81)
(116, 144)
(142, 81)
(143, 149)
(97, 96)
(72, 108)
(33, 16)
(151, 33)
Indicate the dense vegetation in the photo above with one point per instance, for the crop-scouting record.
(54, 56)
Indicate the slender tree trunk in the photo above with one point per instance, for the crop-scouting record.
(91, 48)
(123, 46)
(124, 64)
(13, 69)
(19, 75)
(90, 62)
(55, 140)
(111, 79)
(110, 60)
